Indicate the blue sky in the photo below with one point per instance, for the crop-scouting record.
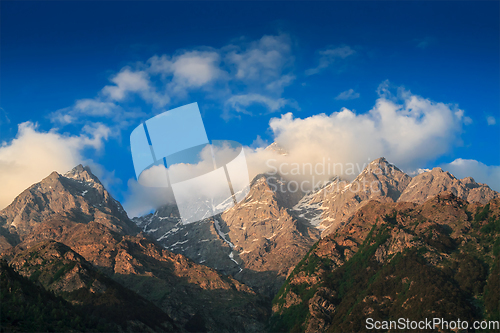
(108, 66)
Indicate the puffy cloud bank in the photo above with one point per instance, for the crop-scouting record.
(407, 129)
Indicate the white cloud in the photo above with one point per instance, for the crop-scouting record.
(260, 61)
(128, 81)
(407, 129)
(481, 172)
(238, 74)
(491, 120)
(85, 108)
(408, 133)
(280, 83)
(196, 68)
(347, 95)
(329, 56)
(264, 67)
(240, 103)
(96, 134)
(187, 71)
(259, 143)
(33, 155)
(257, 70)
(85, 111)
(140, 200)
(94, 107)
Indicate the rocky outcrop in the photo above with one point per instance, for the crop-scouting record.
(200, 241)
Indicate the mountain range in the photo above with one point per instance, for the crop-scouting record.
(262, 238)
(277, 261)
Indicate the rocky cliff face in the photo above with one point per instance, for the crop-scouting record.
(266, 238)
(202, 241)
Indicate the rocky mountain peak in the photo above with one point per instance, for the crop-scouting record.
(82, 173)
(431, 183)
(257, 240)
(437, 171)
(267, 239)
(77, 194)
(332, 206)
(470, 182)
(275, 147)
(382, 166)
(380, 180)
(266, 187)
(380, 160)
